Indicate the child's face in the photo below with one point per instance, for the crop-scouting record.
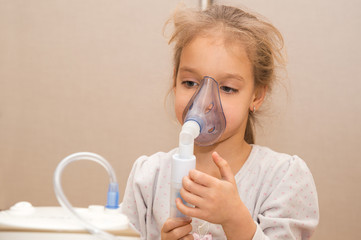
(230, 67)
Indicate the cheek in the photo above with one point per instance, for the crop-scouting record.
(235, 115)
(182, 97)
(179, 106)
(178, 111)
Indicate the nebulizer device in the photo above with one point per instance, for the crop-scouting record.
(24, 221)
(112, 195)
(203, 124)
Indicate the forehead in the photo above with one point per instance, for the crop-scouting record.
(214, 54)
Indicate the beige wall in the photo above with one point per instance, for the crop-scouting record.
(91, 75)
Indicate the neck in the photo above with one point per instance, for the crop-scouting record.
(235, 154)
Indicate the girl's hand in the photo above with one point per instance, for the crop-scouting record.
(177, 228)
(217, 200)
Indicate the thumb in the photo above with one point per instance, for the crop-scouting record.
(224, 168)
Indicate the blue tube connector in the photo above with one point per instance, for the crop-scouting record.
(113, 196)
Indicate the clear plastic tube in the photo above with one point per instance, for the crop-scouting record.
(66, 204)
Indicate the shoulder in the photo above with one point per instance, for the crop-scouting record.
(146, 167)
(282, 172)
(269, 168)
(154, 160)
(266, 158)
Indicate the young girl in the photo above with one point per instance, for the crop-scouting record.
(239, 190)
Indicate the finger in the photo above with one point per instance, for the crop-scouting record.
(180, 232)
(188, 211)
(223, 166)
(190, 198)
(173, 223)
(192, 187)
(201, 178)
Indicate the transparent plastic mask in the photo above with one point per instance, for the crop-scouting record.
(205, 108)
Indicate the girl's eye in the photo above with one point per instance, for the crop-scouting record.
(228, 89)
(189, 83)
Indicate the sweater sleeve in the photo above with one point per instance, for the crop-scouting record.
(134, 206)
(289, 210)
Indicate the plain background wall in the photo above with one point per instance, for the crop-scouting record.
(91, 75)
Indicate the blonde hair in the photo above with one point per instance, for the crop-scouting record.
(261, 39)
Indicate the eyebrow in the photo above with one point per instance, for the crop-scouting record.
(188, 69)
(232, 75)
(224, 76)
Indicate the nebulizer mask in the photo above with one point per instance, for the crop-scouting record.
(204, 123)
(205, 108)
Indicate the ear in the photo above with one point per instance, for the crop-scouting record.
(258, 98)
